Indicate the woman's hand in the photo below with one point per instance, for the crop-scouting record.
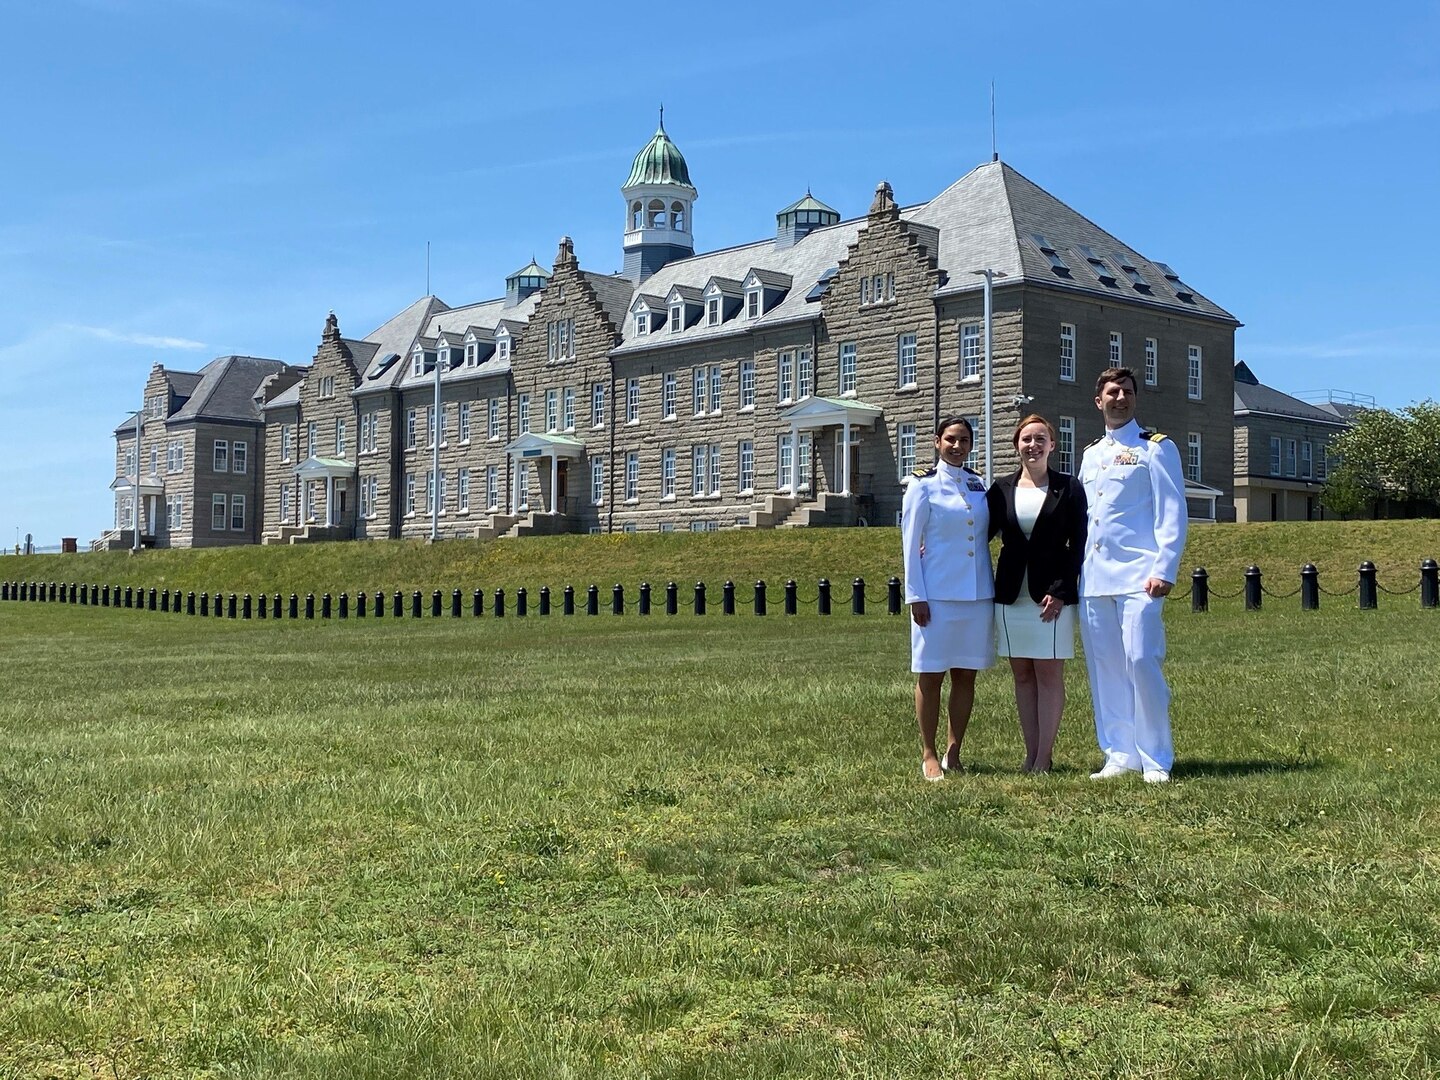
(1050, 608)
(920, 612)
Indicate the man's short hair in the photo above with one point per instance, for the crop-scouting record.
(1116, 374)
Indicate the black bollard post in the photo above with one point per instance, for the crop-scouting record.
(857, 596)
(544, 599)
(759, 598)
(822, 601)
(644, 598)
(727, 598)
(246, 606)
(230, 606)
(397, 604)
(435, 604)
(164, 599)
(522, 602)
(204, 603)
(415, 603)
(150, 599)
(344, 611)
(325, 605)
(190, 603)
(1199, 590)
(1309, 588)
(260, 607)
(699, 598)
(72, 592)
(1369, 600)
(359, 603)
(567, 600)
(310, 605)
(672, 598)
(104, 595)
(477, 603)
(1254, 588)
(129, 595)
(1429, 584)
(294, 605)
(892, 596)
(792, 599)
(499, 603)
(592, 600)
(455, 603)
(617, 599)
(379, 604)
(276, 608)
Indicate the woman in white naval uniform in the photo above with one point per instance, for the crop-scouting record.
(948, 585)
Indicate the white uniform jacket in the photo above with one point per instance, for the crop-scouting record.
(1136, 491)
(945, 512)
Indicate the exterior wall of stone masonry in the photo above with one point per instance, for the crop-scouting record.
(280, 470)
(208, 483)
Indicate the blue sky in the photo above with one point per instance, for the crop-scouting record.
(189, 178)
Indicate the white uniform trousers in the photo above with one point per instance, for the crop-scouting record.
(1124, 644)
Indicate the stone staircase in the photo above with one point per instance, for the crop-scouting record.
(777, 509)
(540, 524)
(828, 509)
(305, 534)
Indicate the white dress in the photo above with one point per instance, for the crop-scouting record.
(1019, 631)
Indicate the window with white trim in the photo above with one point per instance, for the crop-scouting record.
(715, 382)
(464, 422)
(175, 457)
(1276, 455)
(367, 432)
(472, 353)
(905, 449)
(752, 304)
(567, 408)
(493, 427)
(1307, 459)
(312, 438)
(409, 494)
(313, 489)
(522, 482)
(523, 412)
(667, 396)
(287, 441)
(597, 480)
(804, 444)
(745, 453)
(972, 460)
(339, 438)
(1067, 352)
(712, 311)
(632, 476)
(642, 323)
(1065, 446)
(632, 401)
(784, 462)
(367, 501)
(597, 404)
(699, 458)
(154, 460)
(785, 376)
(221, 462)
(503, 345)
(697, 391)
(417, 361)
(1152, 361)
(1291, 458)
(411, 424)
(667, 473)
(1192, 386)
(429, 492)
(805, 374)
(462, 491)
(847, 368)
(285, 503)
(327, 386)
(970, 351)
(677, 318)
(492, 487)
(237, 513)
(217, 513)
(1117, 349)
(905, 361)
(552, 411)
(714, 468)
(747, 384)
(1192, 458)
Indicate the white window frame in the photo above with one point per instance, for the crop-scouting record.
(849, 379)
(712, 311)
(905, 449)
(312, 438)
(747, 385)
(784, 463)
(237, 513)
(492, 428)
(462, 491)
(1117, 349)
(804, 374)
(1065, 445)
(1194, 387)
(697, 392)
(1307, 460)
(522, 411)
(597, 480)
(677, 318)
(667, 473)
(754, 307)
(632, 401)
(411, 424)
(492, 487)
(409, 494)
(715, 469)
(220, 460)
(219, 516)
(745, 454)
(715, 386)
(785, 376)
(972, 351)
(1292, 458)
(567, 409)
(464, 423)
(552, 411)
(667, 395)
(1152, 362)
(1067, 352)
(340, 434)
(1193, 454)
(632, 476)
(906, 361)
(699, 460)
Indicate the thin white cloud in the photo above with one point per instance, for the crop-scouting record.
(149, 341)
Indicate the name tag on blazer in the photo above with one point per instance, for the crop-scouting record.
(974, 483)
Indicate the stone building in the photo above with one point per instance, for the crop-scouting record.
(1282, 451)
(796, 380)
(201, 477)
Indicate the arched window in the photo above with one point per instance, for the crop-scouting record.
(657, 214)
(677, 216)
(637, 215)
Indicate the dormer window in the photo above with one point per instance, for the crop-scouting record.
(472, 353)
(417, 361)
(712, 311)
(677, 318)
(752, 303)
(443, 358)
(502, 346)
(642, 323)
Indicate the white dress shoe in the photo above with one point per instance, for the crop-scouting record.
(1156, 776)
(1109, 772)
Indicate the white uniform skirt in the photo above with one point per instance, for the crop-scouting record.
(1020, 633)
(960, 635)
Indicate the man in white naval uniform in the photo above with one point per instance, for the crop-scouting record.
(1136, 491)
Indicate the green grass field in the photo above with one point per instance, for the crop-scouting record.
(702, 848)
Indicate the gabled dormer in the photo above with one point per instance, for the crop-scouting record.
(422, 357)
(648, 312)
(723, 299)
(685, 305)
(449, 350)
(479, 344)
(507, 336)
(763, 290)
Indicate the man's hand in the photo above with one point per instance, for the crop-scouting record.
(920, 612)
(1156, 589)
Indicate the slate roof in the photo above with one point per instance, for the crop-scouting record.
(183, 383)
(226, 390)
(396, 336)
(1252, 396)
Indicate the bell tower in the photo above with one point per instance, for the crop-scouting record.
(658, 202)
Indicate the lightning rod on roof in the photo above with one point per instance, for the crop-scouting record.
(994, 153)
(427, 267)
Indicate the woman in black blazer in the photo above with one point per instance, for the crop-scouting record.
(1041, 516)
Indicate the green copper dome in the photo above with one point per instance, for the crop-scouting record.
(660, 162)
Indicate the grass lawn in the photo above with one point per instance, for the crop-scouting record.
(702, 848)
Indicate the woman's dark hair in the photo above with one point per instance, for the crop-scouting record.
(951, 421)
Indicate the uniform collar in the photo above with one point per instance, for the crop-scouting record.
(1129, 435)
(955, 472)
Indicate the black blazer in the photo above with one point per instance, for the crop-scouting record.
(1056, 546)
